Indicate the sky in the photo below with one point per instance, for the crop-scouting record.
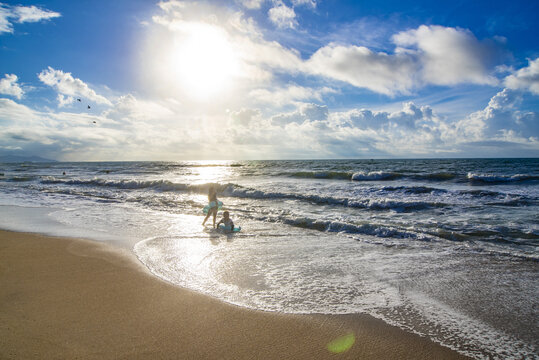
(268, 79)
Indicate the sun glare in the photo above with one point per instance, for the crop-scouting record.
(204, 62)
(211, 171)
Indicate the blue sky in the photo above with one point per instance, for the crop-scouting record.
(268, 79)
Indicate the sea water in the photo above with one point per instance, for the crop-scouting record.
(443, 248)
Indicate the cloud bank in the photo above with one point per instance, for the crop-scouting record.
(133, 128)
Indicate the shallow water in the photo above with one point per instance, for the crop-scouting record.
(444, 248)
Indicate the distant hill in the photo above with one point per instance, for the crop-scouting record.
(19, 158)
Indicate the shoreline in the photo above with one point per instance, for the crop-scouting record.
(73, 298)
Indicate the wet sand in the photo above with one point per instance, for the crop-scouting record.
(70, 298)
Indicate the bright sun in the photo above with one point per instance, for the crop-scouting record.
(204, 62)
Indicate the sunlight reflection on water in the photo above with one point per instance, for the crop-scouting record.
(211, 171)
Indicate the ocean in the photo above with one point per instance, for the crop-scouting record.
(448, 249)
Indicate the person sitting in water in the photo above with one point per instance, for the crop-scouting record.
(212, 198)
(227, 222)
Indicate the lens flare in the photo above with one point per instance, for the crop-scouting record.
(342, 344)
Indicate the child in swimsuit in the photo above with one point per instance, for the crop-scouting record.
(227, 222)
(212, 198)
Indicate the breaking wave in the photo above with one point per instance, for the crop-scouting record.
(363, 229)
(376, 176)
(397, 175)
(322, 175)
(362, 203)
(491, 178)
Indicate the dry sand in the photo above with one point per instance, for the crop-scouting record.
(76, 299)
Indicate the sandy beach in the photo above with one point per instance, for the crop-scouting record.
(70, 298)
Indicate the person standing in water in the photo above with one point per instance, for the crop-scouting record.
(212, 198)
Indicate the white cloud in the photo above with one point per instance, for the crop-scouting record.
(448, 55)
(426, 55)
(305, 112)
(22, 14)
(413, 130)
(499, 119)
(245, 117)
(409, 117)
(5, 24)
(361, 67)
(242, 25)
(313, 131)
(65, 100)
(130, 129)
(418, 130)
(282, 15)
(526, 78)
(129, 109)
(252, 4)
(311, 3)
(133, 128)
(289, 94)
(69, 86)
(33, 14)
(13, 112)
(9, 86)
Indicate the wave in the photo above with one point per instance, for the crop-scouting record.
(376, 175)
(477, 241)
(344, 175)
(160, 185)
(480, 193)
(234, 190)
(413, 189)
(438, 176)
(380, 231)
(156, 168)
(371, 175)
(190, 165)
(84, 194)
(20, 178)
(122, 184)
(382, 175)
(367, 203)
(518, 202)
(500, 198)
(322, 175)
(518, 238)
(491, 178)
